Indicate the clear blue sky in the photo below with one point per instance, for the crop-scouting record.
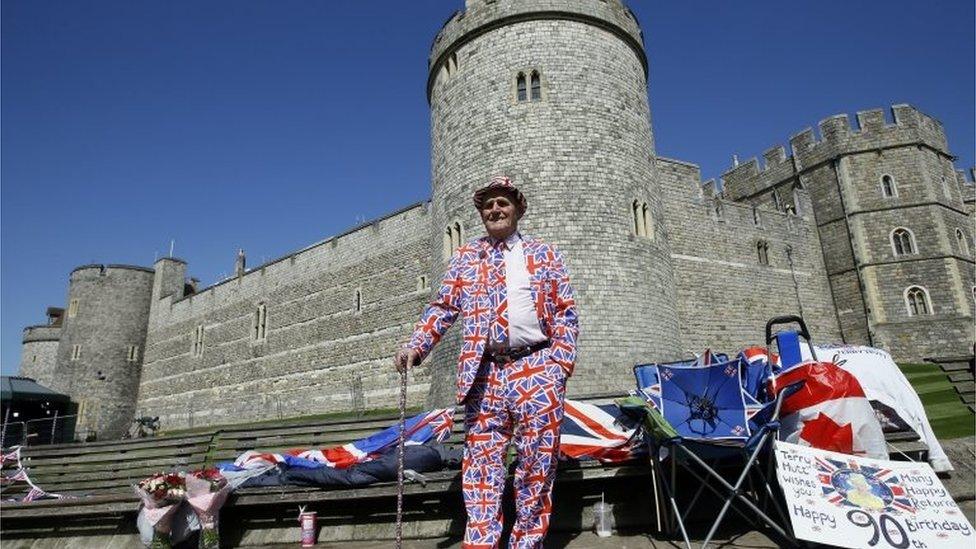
(272, 125)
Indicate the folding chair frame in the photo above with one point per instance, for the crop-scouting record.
(679, 454)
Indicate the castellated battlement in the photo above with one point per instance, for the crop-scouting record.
(340, 251)
(482, 16)
(837, 137)
(739, 217)
(41, 332)
(97, 269)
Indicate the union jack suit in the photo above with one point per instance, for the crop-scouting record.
(523, 398)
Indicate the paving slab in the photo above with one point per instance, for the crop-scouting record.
(580, 540)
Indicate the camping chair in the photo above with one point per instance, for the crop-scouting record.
(707, 408)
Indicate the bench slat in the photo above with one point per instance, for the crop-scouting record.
(113, 446)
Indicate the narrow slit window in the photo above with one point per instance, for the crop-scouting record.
(197, 349)
(520, 89)
(634, 209)
(536, 82)
(73, 308)
(359, 300)
(888, 186)
(646, 222)
(259, 330)
(132, 353)
(762, 250)
(75, 352)
(961, 243)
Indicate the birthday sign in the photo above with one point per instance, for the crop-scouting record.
(856, 502)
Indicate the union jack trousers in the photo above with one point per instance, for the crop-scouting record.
(521, 400)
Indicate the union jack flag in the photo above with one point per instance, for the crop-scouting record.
(436, 425)
(599, 432)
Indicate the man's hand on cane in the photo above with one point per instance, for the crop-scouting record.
(406, 359)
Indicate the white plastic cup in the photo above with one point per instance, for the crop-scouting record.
(602, 519)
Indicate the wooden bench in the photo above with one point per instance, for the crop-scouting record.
(106, 471)
(98, 477)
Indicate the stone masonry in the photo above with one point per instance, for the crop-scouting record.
(554, 94)
(844, 172)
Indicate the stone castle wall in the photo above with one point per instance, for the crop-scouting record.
(843, 173)
(320, 353)
(39, 353)
(725, 294)
(110, 314)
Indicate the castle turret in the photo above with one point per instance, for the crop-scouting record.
(102, 340)
(39, 352)
(555, 96)
(896, 232)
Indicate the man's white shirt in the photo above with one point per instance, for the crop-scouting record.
(523, 322)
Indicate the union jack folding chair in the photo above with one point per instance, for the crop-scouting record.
(719, 428)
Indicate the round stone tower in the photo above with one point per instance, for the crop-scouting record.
(102, 340)
(554, 94)
(39, 354)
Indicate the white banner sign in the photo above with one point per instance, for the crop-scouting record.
(856, 502)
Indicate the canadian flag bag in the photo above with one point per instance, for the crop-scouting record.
(828, 411)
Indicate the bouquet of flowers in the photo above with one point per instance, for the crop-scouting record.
(161, 495)
(207, 491)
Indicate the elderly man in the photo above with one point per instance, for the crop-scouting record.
(519, 347)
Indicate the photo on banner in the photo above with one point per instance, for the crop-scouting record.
(851, 501)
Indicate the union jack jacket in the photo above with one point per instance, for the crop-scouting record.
(464, 290)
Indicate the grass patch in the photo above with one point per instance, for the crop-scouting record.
(947, 414)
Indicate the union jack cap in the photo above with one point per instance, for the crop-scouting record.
(504, 183)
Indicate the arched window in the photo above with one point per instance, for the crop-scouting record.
(917, 301)
(422, 283)
(961, 243)
(453, 237)
(888, 188)
(536, 86)
(762, 250)
(903, 242)
(520, 89)
(647, 221)
(643, 223)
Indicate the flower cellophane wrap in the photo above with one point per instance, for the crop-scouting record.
(206, 492)
(161, 495)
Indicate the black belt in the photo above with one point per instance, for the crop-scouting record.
(511, 354)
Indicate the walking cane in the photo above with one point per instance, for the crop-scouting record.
(403, 409)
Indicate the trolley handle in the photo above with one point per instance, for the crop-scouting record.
(787, 319)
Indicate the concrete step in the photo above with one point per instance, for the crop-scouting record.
(957, 377)
(965, 387)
